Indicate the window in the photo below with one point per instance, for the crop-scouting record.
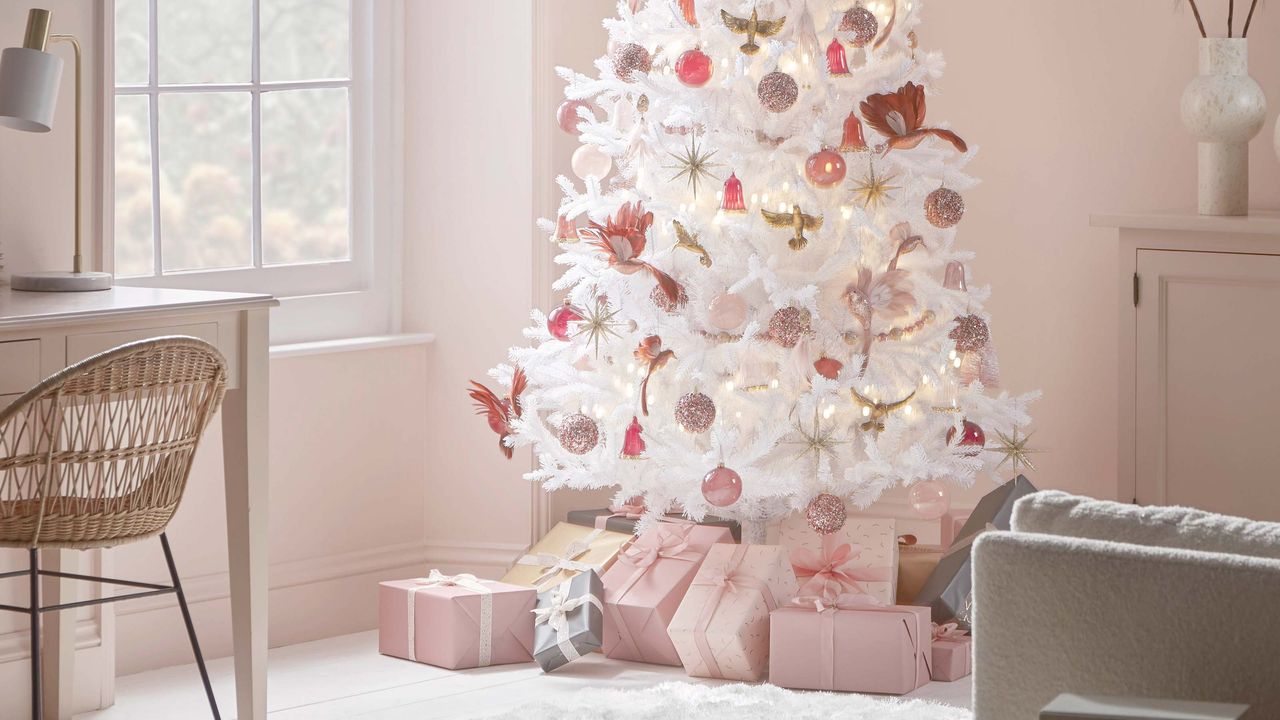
(243, 157)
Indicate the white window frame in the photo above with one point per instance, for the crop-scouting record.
(323, 300)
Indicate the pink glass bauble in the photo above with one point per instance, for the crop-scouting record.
(567, 115)
(836, 62)
(727, 311)
(733, 199)
(825, 168)
(558, 320)
(852, 140)
(722, 487)
(929, 499)
(566, 230)
(973, 438)
(954, 279)
(826, 514)
(590, 161)
(633, 443)
(693, 68)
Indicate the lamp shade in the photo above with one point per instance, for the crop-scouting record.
(28, 88)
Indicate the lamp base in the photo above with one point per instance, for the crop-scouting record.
(61, 281)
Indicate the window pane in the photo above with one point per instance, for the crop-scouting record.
(304, 176)
(204, 41)
(206, 181)
(132, 32)
(305, 39)
(133, 237)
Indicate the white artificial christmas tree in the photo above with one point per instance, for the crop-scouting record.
(761, 270)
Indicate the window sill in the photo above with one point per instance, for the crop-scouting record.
(374, 342)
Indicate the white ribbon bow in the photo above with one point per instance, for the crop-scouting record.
(464, 580)
(552, 563)
(556, 614)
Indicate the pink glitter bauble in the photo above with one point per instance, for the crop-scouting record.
(777, 91)
(929, 499)
(860, 25)
(578, 434)
(629, 59)
(727, 311)
(694, 68)
(558, 321)
(567, 115)
(658, 297)
(825, 168)
(722, 487)
(825, 514)
(944, 207)
(695, 412)
(788, 325)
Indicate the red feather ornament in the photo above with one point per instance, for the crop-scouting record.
(622, 239)
(899, 116)
(497, 410)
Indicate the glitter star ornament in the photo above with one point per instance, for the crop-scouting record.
(578, 434)
(1013, 447)
(694, 165)
(695, 412)
(599, 324)
(874, 190)
(826, 514)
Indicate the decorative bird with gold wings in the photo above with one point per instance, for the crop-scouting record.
(689, 241)
(752, 27)
(622, 238)
(878, 410)
(499, 411)
(797, 221)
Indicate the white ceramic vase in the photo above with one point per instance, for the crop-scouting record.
(1224, 109)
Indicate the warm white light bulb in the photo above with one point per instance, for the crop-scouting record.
(866, 411)
(773, 384)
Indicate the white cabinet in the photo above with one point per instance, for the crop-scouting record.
(1199, 393)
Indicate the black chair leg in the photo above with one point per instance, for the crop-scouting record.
(191, 628)
(37, 694)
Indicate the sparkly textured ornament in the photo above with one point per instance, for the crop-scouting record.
(664, 303)
(558, 320)
(826, 514)
(929, 499)
(688, 12)
(689, 241)
(590, 161)
(825, 168)
(733, 201)
(694, 67)
(860, 26)
(971, 437)
(693, 165)
(788, 325)
(630, 59)
(721, 487)
(727, 311)
(828, 368)
(837, 64)
(797, 220)
(567, 115)
(852, 140)
(578, 434)
(632, 442)
(944, 207)
(695, 412)
(970, 333)
(874, 190)
(598, 324)
(752, 27)
(1014, 449)
(954, 278)
(777, 91)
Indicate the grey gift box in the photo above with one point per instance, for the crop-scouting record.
(587, 518)
(584, 627)
(949, 589)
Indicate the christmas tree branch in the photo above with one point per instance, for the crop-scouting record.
(1196, 11)
(1252, 6)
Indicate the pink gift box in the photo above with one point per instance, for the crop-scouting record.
(952, 658)
(456, 622)
(860, 558)
(643, 589)
(721, 629)
(862, 649)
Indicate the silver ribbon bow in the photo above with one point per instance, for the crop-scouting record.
(552, 563)
(556, 614)
(465, 580)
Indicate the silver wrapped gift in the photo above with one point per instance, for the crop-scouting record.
(568, 620)
(949, 589)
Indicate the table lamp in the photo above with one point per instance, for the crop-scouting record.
(28, 92)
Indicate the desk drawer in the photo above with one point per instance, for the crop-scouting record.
(80, 347)
(19, 366)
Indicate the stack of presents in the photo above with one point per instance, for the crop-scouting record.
(862, 609)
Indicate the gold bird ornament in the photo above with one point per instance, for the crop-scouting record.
(878, 411)
(752, 27)
(689, 241)
(797, 221)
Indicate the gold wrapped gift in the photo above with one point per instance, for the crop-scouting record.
(915, 563)
(564, 552)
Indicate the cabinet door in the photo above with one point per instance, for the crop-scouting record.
(1208, 390)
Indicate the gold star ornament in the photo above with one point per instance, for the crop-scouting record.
(598, 325)
(1014, 449)
(815, 440)
(694, 165)
(874, 190)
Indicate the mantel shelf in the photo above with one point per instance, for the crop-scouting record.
(1259, 222)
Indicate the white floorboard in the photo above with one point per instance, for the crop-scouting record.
(345, 677)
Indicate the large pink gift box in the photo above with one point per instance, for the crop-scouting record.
(645, 585)
(858, 649)
(860, 558)
(721, 629)
(456, 621)
(952, 652)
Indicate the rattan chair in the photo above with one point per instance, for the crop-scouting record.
(97, 456)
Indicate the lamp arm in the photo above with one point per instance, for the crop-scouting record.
(77, 261)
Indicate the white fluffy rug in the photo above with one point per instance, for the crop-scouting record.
(730, 702)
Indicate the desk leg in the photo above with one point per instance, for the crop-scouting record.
(58, 633)
(244, 442)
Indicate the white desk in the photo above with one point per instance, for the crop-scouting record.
(41, 333)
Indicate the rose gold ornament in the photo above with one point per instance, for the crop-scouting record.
(944, 207)
(954, 278)
(578, 434)
(664, 303)
(860, 25)
(788, 325)
(837, 64)
(590, 161)
(721, 487)
(825, 168)
(629, 59)
(777, 91)
(567, 115)
(695, 412)
(929, 499)
(852, 141)
(727, 312)
(825, 514)
(558, 320)
(633, 443)
(733, 202)
(970, 333)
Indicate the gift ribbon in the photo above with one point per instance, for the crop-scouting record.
(469, 582)
(556, 614)
(629, 510)
(730, 579)
(830, 572)
(948, 631)
(553, 564)
(827, 610)
(660, 542)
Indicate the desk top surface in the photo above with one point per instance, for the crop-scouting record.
(18, 308)
(1257, 222)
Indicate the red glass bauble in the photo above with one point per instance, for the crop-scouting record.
(558, 320)
(694, 67)
(567, 115)
(825, 168)
(972, 437)
(722, 487)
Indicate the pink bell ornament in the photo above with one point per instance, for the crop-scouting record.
(954, 278)
(733, 201)
(837, 64)
(633, 443)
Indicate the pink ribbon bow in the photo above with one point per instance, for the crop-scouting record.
(829, 574)
(948, 631)
(845, 601)
(632, 509)
(660, 543)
